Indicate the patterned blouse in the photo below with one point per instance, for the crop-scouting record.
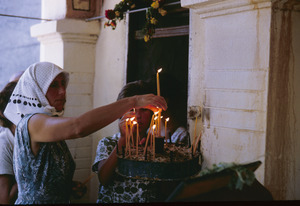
(121, 190)
(45, 178)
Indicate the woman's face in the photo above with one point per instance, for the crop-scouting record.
(56, 94)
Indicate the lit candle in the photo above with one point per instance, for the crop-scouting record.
(166, 120)
(153, 139)
(130, 137)
(151, 124)
(157, 81)
(158, 124)
(131, 132)
(137, 137)
(126, 134)
(155, 122)
(161, 117)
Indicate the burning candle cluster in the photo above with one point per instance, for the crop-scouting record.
(154, 142)
(156, 157)
(134, 144)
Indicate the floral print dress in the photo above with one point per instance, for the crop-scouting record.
(45, 178)
(122, 190)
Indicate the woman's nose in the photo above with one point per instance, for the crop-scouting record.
(62, 90)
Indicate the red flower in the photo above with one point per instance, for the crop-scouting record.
(110, 14)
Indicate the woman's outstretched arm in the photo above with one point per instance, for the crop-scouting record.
(43, 128)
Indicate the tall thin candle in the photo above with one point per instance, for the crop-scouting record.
(137, 137)
(158, 124)
(131, 132)
(155, 122)
(153, 142)
(149, 132)
(196, 144)
(157, 81)
(166, 120)
(126, 135)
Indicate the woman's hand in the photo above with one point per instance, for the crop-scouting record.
(122, 122)
(78, 189)
(150, 101)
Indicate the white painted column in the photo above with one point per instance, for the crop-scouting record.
(70, 44)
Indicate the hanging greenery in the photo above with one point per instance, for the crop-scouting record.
(153, 13)
(243, 175)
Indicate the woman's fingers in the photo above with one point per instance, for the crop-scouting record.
(150, 101)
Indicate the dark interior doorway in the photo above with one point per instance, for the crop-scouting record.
(168, 50)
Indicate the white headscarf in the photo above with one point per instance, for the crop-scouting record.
(29, 95)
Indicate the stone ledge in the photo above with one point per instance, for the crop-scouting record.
(67, 29)
(210, 8)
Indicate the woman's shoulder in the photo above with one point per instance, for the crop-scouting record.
(25, 119)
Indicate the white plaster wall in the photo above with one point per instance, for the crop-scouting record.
(228, 76)
(54, 9)
(110, 74)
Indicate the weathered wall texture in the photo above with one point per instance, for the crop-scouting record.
(282, 159)
(229, 63)
(110, 73)
(244, 72)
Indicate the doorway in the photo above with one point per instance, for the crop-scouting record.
(168, 49)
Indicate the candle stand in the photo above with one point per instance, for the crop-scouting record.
(171, 162)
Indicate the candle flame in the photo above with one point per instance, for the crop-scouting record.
(132, 118)
(161, 117)
(127, 119)
(155, 118)
(155, 113)
(167, 119)
(134, 122)
(154, 127)
(158, 71)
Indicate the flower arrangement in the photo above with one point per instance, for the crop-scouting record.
(153, 13)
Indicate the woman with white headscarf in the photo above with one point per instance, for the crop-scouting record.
(43, 164)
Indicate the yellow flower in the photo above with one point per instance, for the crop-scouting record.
(146, 38)
(155, 5)
(162, 11)
(117, 13)
(153, 21)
